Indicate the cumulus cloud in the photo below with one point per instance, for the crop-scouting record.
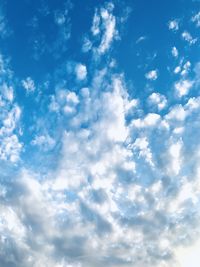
(114, 181)
(65, 102)
(152, 75)
(173, 25)
(81, 71)
(182, 87)
(158, 100)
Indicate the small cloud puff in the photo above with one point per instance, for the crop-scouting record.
(81, 72)
(173, 25)
(28, 84)
(43, 141)
(174, 52)
(65, 101)
(152, 75)
(158, 100)
(188, 38)
(141, 39)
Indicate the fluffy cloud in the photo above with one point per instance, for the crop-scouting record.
(113, 190)
(174, 52)
(81, 71)
(152, 75)
(182, 87)
(10, 146)
(157, 99)
(173, 25)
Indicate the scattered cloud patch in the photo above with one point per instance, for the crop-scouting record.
(173, 25)
(196, 19)
(28, 84)
(81, 72)
(188, 38)
(158, 100)
(103, 29)
(45, 142)
(152, 75)
(183, 87)
(174, 52)
(141, 39)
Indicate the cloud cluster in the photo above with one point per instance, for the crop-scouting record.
(125, 189)
(10, 145)
(103, 30)
(119, 196)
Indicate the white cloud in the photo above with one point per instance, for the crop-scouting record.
(158, 99)
(177, 113)
(43, 141)
(65, 101)
(87, 45)
(114, 180)
(183, 87)
(144, 151)
(174, 52)
(109, 23)
(96, 24)
(10, 148)
(177, 69)
(4, 30)
(173, 25)
(10, 145)
(152, 75)
(196, 19)
(141, 39)
(28, 85)
(103, 28)
(60, 18)
(188, 38)
(188, 256)
(186, 68)
(81, 72)
(7, 92)
(175, 157)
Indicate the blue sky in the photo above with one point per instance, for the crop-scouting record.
(99, 133)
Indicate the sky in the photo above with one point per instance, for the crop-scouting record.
(99, 133)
